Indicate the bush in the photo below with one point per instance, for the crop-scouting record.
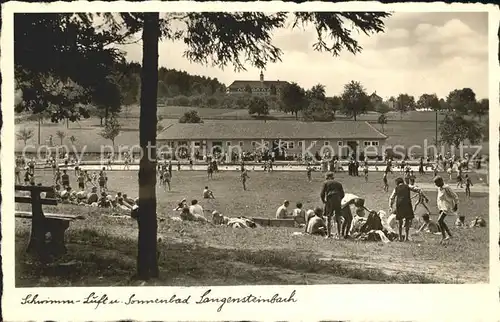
(181, 100)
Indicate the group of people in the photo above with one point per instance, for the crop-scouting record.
(337, 210)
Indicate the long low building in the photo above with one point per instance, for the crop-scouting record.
(294, 137)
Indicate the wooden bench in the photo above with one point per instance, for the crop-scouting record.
(275, 222)
(41, 223)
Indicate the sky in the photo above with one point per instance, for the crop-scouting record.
(418, 53)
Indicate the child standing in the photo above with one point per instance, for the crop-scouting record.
(447, 203)
(244, 177)
(386, 185)
(468, 184)
(309, 170)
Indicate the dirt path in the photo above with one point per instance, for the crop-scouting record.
(445, 272)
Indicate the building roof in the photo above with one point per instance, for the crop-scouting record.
(255, 83)
(375, 96)
(233, 130)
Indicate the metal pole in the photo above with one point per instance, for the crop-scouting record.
(39, 123)
(437, 128)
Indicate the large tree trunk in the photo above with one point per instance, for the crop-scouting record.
(147, 263)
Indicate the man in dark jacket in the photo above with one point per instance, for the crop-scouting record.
(331, 195)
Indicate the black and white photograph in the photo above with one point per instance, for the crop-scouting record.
(284, 148)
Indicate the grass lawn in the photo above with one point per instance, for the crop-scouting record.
(104, 247)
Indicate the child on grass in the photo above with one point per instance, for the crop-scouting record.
(447, 203)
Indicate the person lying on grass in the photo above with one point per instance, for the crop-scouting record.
(208, 194)
(240, 222)
(429, 225)
(128, 200)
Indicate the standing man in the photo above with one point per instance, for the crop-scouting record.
(331, 195)
(404, 210)
(244, 177)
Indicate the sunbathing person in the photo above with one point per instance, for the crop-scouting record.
(241, 222)
(219, 219)
(81, 196)
(92, 197)
(299, 214)
(478, 222)
(188, 215)
(309, 215)
(104, 201)
(282, 212)
(68, 196)
(429, 225)
(128, 200)
(196, 208)
(181, 205)
(316, 225)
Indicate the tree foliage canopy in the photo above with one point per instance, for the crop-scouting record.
(462, 101)
(429, 101)
(455, 129)
(258, 106)
(190, 117)
(355, 100)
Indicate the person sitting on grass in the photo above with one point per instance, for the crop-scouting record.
(316, 225)
(282, 212)
(128, 200)
(196, 208)
(92, 197)
(188, 215)
(103, 201)
(81, 196)
(208, 194)
(65, 195)
(219, 219)
(299, 214)
(181, 204)
(429, 225)
(121, 204)
(478, 222)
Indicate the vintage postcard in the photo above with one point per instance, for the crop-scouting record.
(258, 161)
